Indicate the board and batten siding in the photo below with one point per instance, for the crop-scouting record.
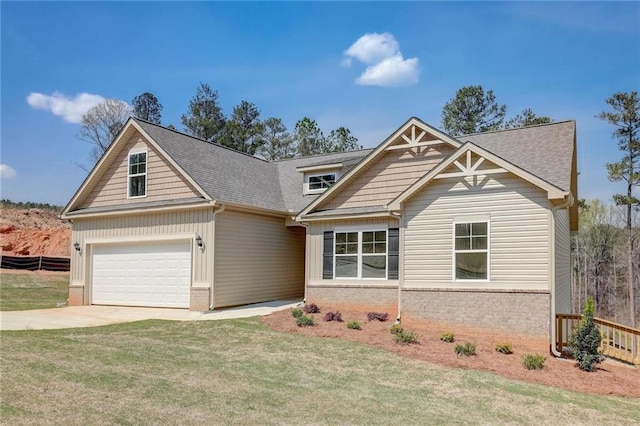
(388, 177)
(257, 259)
(563, 261)
(519, 232)
(164, 182)
(145, 226)
(315, 243)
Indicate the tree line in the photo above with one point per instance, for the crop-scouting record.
(8, 204)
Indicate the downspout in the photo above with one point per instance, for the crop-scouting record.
(305, 225)
(400, 217)
(213, 256)
(552, 271)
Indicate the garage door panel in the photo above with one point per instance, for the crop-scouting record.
(157, 274)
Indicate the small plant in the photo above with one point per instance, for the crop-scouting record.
(533, 362)
(447, 337)
(379, 316)
(467, 349)
(304, 321)
(311, 309)
(585, 340)
(504, 348)
(297, 312)
(333, 316)
(396, 328)
(405, 337)
(354, 325)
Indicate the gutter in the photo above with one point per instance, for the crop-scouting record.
(568, 201)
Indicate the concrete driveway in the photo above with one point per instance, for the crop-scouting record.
(91, 316)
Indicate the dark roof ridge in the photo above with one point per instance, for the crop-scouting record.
(516, 128)
(320, 155)
(200, 139)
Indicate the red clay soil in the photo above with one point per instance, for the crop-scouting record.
(611, 377)
(34, 232)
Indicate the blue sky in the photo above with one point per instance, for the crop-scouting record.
(366, 66)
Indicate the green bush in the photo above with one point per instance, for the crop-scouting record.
(504, 348)
(585, 340)
(396, 328)
(405, 337)
(297, 312)
(354, 325)
(467, 349)
(533, 362)
(304, 321)
(447, 337)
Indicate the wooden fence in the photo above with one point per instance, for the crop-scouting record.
(618, 341)
(34, 263)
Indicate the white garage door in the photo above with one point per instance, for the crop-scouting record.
(156, 274)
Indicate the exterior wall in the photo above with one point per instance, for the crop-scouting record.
(129, 228)
(315, 246)
(388, 177)
(163, 181)
(518, 224)
(257, 258)
(522, 312)
(563, 261)
(382, 298)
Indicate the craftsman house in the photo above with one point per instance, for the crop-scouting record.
(473, 229)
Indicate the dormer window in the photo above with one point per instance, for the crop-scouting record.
(137, 176)
(321, 182)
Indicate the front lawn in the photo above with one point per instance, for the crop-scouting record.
(241, 372)
(32, 290)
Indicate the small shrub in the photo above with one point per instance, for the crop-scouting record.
(533, 362)
(311, 309)
(333, 316)
(354, 325)
(447, 337)
(297, 312)
(396, 328)
(304, 321)
(405, 337)
(379, 316)
(504, 348)
(585, 340)
(467, 349)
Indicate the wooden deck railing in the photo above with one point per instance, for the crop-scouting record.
(618, 341)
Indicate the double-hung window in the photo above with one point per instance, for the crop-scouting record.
(471, 250)
(361, 254)
(137, 175)
(319, 183)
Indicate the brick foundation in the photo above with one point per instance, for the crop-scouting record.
(520, 311)
(383, 298)
(76, 295)
(199, 299)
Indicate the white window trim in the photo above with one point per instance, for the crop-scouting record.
(474, 219)
(360, 229)
(146, 172)
(307, 177)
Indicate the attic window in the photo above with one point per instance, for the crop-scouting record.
(318, 183)
(137, 176)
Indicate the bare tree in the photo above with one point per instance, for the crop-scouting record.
(101, 124)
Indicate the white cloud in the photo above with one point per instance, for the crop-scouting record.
(70, 109)
(386, 65)
(7, 171)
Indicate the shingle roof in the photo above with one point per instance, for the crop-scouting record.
(234, 177)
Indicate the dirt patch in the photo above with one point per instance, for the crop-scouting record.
(611, 378)
(34, 232)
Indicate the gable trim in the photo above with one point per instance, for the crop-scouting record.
(366, 161)
(117, 141)
(553, 192)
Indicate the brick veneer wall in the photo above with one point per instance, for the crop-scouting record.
(382, 298)
(199, 299)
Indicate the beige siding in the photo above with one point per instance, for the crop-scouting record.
(315, 235)
(148, 226)
(519, 232)
(563, 261)
(164, 182)
(388, 177)
(257, 259)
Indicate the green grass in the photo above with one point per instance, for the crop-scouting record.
(241, 372)
(20, 292)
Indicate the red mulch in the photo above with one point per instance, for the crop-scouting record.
(611, 377)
